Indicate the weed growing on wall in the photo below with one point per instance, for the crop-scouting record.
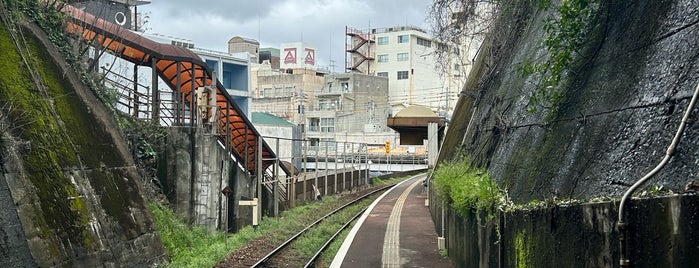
(467, 188)
(566, 32)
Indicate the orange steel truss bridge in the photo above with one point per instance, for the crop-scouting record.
(186, 74)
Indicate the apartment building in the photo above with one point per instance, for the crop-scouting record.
(286, 93)
(349, 107)
(288, 90)
(404, 55)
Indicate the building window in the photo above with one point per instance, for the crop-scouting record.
(313, 143)
(267, 92)
(402, 56)
(313, 124)
(327, 125)
(383, 40)
(383, 58)
(382, 74)
(403, 38)
(402, 75)
(288, 91)
(424, 42)
(327, 144)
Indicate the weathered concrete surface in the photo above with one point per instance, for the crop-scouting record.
(194, 171)
(14, 249)
(662, 234)
(624, 100)
(74, 187)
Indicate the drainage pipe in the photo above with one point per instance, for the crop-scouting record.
(622, 224)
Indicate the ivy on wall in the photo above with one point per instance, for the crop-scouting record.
(566, 32)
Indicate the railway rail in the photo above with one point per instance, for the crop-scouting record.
(265, 261)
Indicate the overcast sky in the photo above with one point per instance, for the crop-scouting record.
(319, 23)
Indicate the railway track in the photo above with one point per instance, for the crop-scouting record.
(267, 260)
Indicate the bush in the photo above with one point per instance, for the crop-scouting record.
(466, 187)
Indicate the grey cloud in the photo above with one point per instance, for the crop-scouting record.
(238, 11)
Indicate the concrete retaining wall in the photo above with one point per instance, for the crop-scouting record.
(662, 234)
(194, 171)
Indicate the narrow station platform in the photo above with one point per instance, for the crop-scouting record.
(396, 231)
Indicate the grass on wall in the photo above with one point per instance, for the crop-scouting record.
(467, 187)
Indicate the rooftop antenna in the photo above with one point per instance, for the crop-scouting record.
(259, 37)
(331, 66)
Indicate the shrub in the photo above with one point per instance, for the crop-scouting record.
(467, 187)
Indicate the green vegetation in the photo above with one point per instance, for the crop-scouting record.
(523, 250)
(380, 182)
(307, 245)
(444, 252)
(57, 138)
(566, 32)
(467, 188)
(327, 257)
(195, 247)
(35, 96)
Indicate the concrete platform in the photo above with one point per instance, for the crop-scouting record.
(396, 231)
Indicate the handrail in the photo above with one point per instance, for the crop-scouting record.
(183, 71)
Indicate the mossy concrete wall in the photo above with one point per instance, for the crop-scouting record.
(74, 187)
(625, 97)
(194, 170)
(662, 234)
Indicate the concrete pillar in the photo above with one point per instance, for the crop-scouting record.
(197, 171)
(432, 144)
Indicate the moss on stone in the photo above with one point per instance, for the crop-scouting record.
(39, 112)
(523, 250)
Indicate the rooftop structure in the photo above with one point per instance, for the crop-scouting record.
(239, 44)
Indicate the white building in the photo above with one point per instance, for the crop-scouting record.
(405, 55)
(350, 107)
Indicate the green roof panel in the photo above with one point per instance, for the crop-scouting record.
(269, 120)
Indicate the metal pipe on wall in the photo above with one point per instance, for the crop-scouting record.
(622, 224)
